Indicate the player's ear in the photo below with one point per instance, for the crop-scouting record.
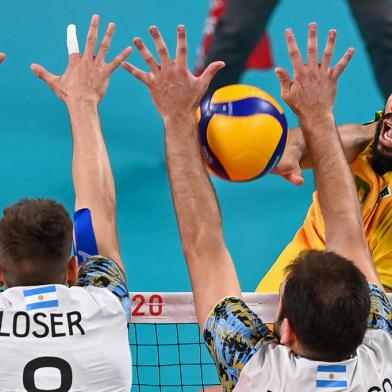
(72, 271)
(288, 336)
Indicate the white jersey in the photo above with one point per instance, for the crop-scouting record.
(249, 359)
(56, 338)
(274, 368)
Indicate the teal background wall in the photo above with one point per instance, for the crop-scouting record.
(259, 217)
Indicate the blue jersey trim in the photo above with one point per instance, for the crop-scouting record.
(85, 244)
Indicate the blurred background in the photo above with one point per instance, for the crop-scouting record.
(259, 217)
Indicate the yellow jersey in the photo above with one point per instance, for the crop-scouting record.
(375, 195)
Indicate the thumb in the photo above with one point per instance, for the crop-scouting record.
(43, 74)
(211, 71)
(295, 177)
(284, 79)
(293, 173)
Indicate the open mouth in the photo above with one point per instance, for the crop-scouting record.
(386, 138)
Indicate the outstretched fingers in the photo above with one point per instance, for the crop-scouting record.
(147, 55)
(43, 74)
(72, 43)
(106, 42)
(312, 46)
(117, 61)
(137, 73)
(329, 51)
(338, 69)
(182, 48)
(284, 79)
(294, 53)
(160, 45)
(92, 37)
(211, 71)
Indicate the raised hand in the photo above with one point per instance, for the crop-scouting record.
(174, 89)
(313, 89)
(87, 76)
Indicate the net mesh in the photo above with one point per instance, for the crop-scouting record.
(170, 357)
(168, 350)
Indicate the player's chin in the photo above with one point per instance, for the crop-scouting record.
(384, 149)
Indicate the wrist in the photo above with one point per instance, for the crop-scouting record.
(82, 104)
(180, 120)
(312, 120)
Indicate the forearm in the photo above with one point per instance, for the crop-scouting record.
(93, 180)
(354, 138)
(337, 194)
(92, 176)
(191, 186)
(211, 269)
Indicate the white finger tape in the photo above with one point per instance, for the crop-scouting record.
(72, 39)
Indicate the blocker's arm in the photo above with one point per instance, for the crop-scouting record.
(82, 87)
(337, 195)
(210, 265)
(177, 93)
(336, 190)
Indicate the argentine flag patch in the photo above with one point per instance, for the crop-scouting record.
(41, 297)
(331, 378)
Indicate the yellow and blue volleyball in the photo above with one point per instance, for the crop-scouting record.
(243, 132)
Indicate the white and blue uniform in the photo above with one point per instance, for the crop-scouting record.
(68, 339)
(249, 359)
(59, 338)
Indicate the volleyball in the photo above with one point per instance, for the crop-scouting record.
(243, 132)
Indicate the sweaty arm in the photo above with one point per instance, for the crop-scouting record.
(334, 181)
(82, 87)
(337, 195)
(176, 94)
(93, 179)
(94, 188)
(354, 139)
(211, 268)
(232, 332)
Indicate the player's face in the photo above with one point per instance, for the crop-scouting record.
(382, 146)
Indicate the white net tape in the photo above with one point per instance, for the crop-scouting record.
(172, 308)
(178, 308)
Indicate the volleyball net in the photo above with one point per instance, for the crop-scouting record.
(168, 351)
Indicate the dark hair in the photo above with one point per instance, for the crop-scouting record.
(326, 299)
(35, 241)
